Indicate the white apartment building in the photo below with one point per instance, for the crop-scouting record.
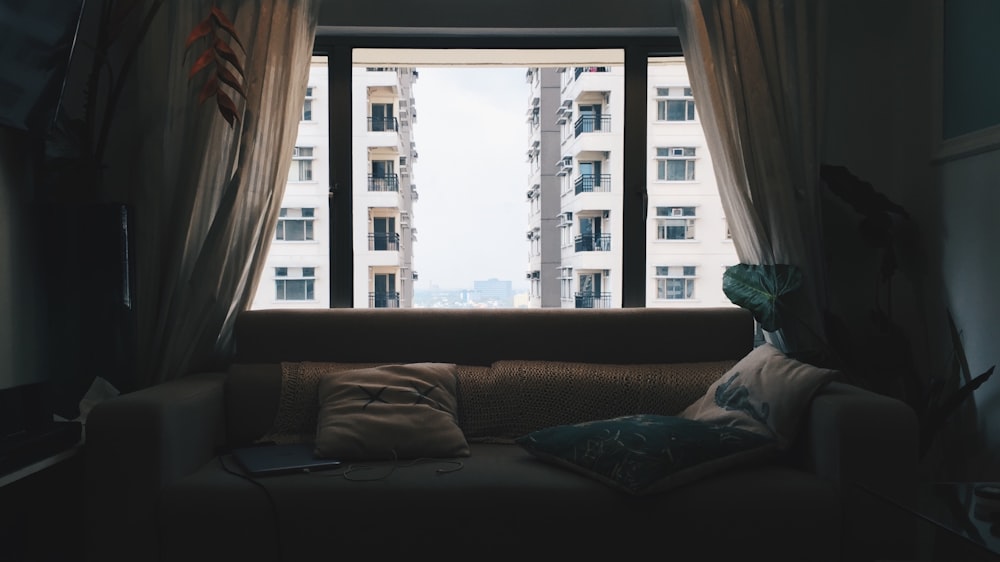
(575, 117)
(296, 273)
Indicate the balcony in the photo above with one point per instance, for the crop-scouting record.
(593, 243)
(592, 123)
(590, 183)
(383, 300)
(593, 300)
(383, 183)
(383, 124)
(581, 69)
(383, 241)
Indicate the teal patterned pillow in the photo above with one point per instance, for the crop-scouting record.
(645, 454)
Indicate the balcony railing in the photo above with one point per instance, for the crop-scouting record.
(581, 69)
(593, 300)
(383, 241)
(589, 183)
(382, 124)
(383, 300)
(383, 183)
(593, 243)
(591, 123)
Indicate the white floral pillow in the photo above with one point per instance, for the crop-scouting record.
(766, 392)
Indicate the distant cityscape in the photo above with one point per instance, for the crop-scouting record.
(490, 293)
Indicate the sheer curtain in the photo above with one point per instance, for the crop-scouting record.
(756, 70)
(205, 195)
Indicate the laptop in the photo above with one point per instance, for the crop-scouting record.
(268, 460)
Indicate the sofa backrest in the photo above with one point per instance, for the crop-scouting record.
(481, 337)
(632, 336)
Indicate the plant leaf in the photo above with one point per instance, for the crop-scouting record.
(224, 23)
(206, 58)
(227, 107)
(230, 79)
(759, 288)
(210, 89)
(227, 53)
(932, 423)
(956, 342)
(201, 30)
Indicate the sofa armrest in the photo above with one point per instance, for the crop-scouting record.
(867, 444)
(857, 437)
(136, 444)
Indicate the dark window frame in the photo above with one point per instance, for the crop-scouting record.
(638, 50)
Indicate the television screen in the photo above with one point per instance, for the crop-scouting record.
(36, 42)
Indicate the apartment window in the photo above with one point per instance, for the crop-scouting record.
(307, 105)
(675, 282)
(674, 104)
(295, 283)
(566, 229)
(302, 164)
(382, 118)
(675, 223)
(295, 224)
(566, 283)
(675, 164)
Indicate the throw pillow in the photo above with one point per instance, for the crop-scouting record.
(389, 412)
(766, 392)
(647, 453)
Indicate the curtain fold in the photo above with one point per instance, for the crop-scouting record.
(756, 70)
(205, 194)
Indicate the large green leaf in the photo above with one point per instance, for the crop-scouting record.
(759, 288)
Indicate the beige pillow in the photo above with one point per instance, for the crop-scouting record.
(766, 392)
(390, 412)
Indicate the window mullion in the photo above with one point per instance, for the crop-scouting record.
(634, 176)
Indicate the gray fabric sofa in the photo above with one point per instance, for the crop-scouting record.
(160, 485)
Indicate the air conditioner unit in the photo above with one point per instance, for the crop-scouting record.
(567, 162)
(677, 212)
(527, 275)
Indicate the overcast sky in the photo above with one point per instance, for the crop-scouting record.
(471, 175)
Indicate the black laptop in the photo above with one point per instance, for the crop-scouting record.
(267, 460)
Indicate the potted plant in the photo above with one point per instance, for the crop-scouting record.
(883, 358)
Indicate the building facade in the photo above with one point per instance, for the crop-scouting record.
(575, 191)
(296, 273)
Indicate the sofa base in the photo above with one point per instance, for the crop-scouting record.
(501, 502)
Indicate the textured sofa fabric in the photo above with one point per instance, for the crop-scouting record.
(160, 486)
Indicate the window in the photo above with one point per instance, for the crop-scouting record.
(295, 224)
(674, 104)
(307, 105)
(675, 223)
(382, 119)
(566, 229)
(566, 283)
(675, 282)
(675, 164)
(604, 96)
(294, 283)
(302, 164)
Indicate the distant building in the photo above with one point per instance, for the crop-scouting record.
(575, 191)
(296, 273)
(494, 290)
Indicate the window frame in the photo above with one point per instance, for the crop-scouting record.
(337, 46)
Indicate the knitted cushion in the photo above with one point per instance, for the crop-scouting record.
(514, 398)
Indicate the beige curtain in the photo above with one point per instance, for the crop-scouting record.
(756, 73)
(205, 195)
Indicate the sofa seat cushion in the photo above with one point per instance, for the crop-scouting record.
(501, 502)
